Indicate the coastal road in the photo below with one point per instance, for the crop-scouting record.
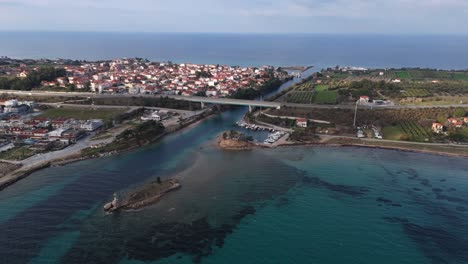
(397, 141)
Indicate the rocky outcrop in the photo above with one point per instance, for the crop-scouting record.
(231, 144)
(229, 141)
(147, 195)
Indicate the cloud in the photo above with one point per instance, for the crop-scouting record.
(407, 16)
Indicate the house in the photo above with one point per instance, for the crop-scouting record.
(66, 136)
(92, 125)
(396, 81)
(23, 74)
(364, 99)
(437, 128)
(39, 133)
(301, 122)
(465, 119)
(455, 122)
(156, 116)
(56, 134)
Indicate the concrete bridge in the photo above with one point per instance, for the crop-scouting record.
(198, 99)
(227, 101)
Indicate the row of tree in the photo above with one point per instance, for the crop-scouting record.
(33, 80)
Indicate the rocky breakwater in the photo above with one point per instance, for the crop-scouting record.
(147, 195)
(234, 140)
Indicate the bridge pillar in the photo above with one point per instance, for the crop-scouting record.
(202, 105)
(250, 109)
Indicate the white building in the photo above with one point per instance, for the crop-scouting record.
(92, 125)
(364, 99)
(301, 122)
(156, 116)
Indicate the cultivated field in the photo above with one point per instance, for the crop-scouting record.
(416, 92)
(407, 131)
(307, 86)
(402, 75)
(325, 97)
(321, 87)
(300, 97)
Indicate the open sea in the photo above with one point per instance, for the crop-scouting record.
(285, 205)
(319, 50)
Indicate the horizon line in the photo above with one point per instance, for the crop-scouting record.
(240, 33)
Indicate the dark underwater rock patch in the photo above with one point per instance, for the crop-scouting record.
(282, 201)
(196, 239)
(383, 200)
(412, 173)
(392, 219)
(451, 189)
(453, 199)
(387, 202)
(425, 182)
(354, 191)
(417, 189)
(437, 244)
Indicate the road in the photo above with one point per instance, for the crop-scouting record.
(397, 141)
(228, 101)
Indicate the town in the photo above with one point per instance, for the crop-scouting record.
(136, 76)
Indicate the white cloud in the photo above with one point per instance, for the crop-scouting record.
(236, 16)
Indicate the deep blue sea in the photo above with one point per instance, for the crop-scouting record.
(285, 205)
(320, 50)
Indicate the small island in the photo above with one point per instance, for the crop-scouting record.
(147, 195)
(234, 140)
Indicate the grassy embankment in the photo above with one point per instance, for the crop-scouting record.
(131, 138)
(82, 113)
(18, 153)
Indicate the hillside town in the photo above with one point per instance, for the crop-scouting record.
(140, 76)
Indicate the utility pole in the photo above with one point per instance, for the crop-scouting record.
(355, 113)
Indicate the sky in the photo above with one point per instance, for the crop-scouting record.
(238, 16)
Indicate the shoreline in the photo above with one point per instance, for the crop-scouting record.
(19, 174)
(404, 149)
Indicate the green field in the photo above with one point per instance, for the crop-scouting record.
(18, 153)
(321, 87)
(460, 76)
(82, 113)
(394, 133)
(417, 92)
(411, 131)
(415, 131)
(402, 75)
(325, 97)
(300, 97)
